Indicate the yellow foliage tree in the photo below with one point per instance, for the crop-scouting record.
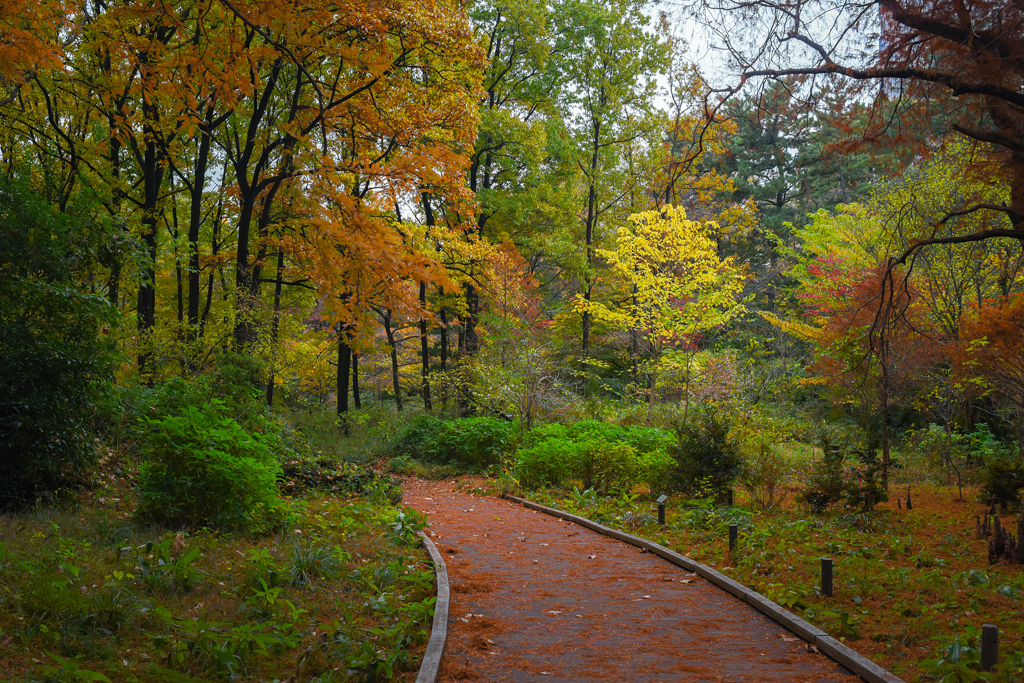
(680, 287)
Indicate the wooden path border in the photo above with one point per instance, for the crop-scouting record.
(431, 665)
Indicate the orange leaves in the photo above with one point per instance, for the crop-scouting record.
(992, 353)
(30, 36)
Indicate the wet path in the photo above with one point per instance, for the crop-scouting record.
(539, 599)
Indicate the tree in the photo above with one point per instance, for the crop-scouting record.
(53, 356)
(275, 141)
(607, 68)
(957, 65)
(992, 357)
(679, 286)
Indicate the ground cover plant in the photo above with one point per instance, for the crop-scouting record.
(342, 592)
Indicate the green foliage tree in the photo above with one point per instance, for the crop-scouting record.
(54, 358)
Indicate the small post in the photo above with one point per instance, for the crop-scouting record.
(734, 531)
(661, 508)
(729, 495)
(989, 647)
(826, 577)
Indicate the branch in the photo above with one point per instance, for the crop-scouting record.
(960, 239)
(957, 85)
(989, 136)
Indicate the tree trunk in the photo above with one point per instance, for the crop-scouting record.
(275, 325)
(885, 423)
(444, 338)
(195, 222)
(425, 349)
(395, 378)
(215, 249)
(469, 343)
(152, 178)
(344, 360)
(591, 223)
(355, 381)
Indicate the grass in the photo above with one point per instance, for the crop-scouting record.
(85, 594)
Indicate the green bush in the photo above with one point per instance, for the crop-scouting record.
(705, 457)
(202, 468)
(53, 358)
(547, 461)
(864, 486)
(421, 439)
(479, 442)
(473, 443)
(826, 485)
(1004, 483)
(597, 454)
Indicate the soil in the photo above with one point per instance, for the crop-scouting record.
(535, 598)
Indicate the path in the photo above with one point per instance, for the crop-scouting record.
(538, 599)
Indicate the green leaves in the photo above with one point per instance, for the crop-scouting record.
(53, 359)
(203, 468)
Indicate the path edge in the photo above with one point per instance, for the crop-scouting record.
(431, 665)
(826, 644)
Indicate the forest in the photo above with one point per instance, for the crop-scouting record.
(263, 259)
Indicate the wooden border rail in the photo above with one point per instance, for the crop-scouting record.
(431, 665)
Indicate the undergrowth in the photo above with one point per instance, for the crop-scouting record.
(344, 593)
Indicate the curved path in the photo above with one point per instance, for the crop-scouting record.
(535, 598)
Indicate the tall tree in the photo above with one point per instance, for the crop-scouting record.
(959, 65)
(608, 63)
(679, 287)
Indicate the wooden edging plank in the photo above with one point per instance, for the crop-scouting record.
(827, 645)
(431, 665)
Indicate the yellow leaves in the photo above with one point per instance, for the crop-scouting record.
(678, 284)
(797, 329)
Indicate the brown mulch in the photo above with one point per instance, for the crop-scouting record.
(535, 598)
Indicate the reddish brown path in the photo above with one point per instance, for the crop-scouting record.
(538, 599)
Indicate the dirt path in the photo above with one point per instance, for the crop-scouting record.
(538, 599)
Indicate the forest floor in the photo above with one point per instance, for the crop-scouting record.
(535, 598)
(87, 594)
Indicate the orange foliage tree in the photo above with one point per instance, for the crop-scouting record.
(872, 341)
(992, 356)
(277, 130)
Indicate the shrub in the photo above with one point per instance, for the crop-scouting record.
(53, 359)
(548, 461)
(826, 484)
(421, 439)
(765, 468)
(1004, 482)
(597, 454)
(765, 471)
(473, 443)
(478, 442)
(202, 468)
(705, 458)
(864, 489)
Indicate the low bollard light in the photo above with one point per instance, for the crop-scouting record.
(734, 532)
(989, 647)
(826, 577)
(661, 508)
